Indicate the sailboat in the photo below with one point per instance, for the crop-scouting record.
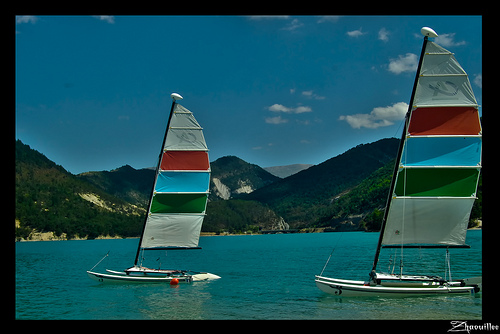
(177, 203)
(434, 182)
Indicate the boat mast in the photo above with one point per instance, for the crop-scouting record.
(427, 32)
(174, 97)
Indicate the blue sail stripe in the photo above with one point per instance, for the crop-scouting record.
(182, 182)
(442, 151)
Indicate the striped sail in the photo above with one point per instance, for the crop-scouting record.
(181, 187)
(435, 186)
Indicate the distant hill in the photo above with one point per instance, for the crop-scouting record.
(304, 198)
(232, 176)
(347, 192)
(285, 171)
(130, 184)
(50, 199)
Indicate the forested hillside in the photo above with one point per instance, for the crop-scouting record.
(344, 193)
(306, 197)
(48, 198)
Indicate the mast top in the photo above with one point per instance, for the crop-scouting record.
(428, 32)
(176, 96)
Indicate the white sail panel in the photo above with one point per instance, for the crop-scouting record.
(438, 60)
(172, 230)
(184, 133)
(437, 221)
(448, 91)
(442, 81)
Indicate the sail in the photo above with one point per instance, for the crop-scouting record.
(439, 167)
(181, 186)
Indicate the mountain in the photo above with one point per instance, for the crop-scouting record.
(304, 198)
(347, 192)
(53, 201)
(50, 199)
(232, 176)
(236, 216)
(285, 171)
(130, 184)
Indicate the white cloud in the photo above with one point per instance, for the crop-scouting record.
(276, 120)
(302, 109)
(355, 33)
(380, 116)
(281, 108)
(447, 40)
(407, 63)
(295, 24)
(383, 35)
(330, 18)
(310, 94)
(478, 80)
(26, 19)
(107, 18)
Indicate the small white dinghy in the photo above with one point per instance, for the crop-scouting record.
(177, 203)
(146, 275)
(434, 182)
(397, 285)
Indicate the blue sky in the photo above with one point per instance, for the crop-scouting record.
(93, 92)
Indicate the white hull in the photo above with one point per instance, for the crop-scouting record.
(395, 288)
(149, 277)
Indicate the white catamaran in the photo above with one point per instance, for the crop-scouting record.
(177, 203)
(434, 182)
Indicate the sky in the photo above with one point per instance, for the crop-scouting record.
(93, 92)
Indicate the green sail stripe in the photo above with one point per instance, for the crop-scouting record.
(454, 182)
(179, 203)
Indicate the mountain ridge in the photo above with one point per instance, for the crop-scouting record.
(301, 197)
(287, 170)
(232, 176)
(346, 192)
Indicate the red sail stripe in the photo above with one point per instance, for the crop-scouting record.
(185, 160)
(444, 121)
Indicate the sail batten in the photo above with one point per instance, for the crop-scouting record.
(440, 162)
(179, 199)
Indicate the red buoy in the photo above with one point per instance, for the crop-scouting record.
(174, 281)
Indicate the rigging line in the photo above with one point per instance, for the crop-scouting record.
(403, 158)
(341, 234)
(105, 256)
(447, 263)
(399, 127)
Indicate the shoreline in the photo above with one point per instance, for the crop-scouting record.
(50, 236)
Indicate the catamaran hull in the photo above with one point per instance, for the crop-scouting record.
(121, 277)
(348, 288)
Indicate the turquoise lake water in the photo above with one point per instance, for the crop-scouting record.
(263, 277)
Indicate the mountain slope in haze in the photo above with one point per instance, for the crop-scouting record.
(302, 198)
(286, 171)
